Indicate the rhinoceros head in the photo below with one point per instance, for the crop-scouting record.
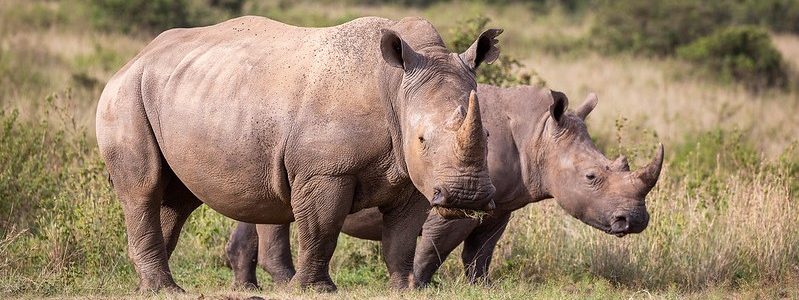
(602, 193)
(443, 140)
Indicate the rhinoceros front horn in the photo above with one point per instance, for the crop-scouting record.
(648, 175)
(470, 137)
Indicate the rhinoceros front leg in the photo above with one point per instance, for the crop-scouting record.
(401, 227)
(242, 254)
(320, 205)
(439, 237)
(479, 246)
(268, 245)
(274, 252)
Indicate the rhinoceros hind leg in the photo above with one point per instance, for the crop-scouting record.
(274, 252)
(178, 204)
(137, 169)
(146, 247)
(320, 205)
(479, 247)
(242, 253)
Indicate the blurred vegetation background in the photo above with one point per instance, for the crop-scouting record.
(715, 81)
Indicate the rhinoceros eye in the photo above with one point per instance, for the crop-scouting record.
(590, 176)
(423, 143)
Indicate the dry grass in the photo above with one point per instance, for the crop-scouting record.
(788, 45)
(662, 95)
(38, 62)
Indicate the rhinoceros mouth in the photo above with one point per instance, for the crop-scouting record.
(605, 228)
(460, 213)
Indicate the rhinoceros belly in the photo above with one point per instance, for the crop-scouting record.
(232, 159)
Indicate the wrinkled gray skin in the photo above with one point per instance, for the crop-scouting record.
(536, 151)
(270, 123)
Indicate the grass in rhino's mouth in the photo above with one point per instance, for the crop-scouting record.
(460, 213)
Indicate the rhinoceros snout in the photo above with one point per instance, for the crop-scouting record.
(482, 199)
(633, 221)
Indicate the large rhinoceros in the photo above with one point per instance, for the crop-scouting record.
(537, 151)
(270, 123)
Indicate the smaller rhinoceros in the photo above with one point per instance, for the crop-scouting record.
(537, 150)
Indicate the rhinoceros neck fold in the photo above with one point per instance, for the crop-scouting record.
(511, 116)
(390, 80)
(528, 107)
(534, 168)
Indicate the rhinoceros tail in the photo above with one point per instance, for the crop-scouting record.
(108, 176)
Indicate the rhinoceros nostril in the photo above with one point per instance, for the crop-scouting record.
(438, 198)
(620, 224)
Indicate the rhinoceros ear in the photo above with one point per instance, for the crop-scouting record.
(396, 52)
(558, 107)
(484, 49)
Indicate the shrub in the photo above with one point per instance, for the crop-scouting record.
(158, 15)
(703, 160)
(141, 14)
(503, 72)
(59, 221)
(660, 27)
(739, 53)
(655, 27)
(778, 15)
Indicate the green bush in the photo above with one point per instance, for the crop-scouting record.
(23, 180)
(788, 162)
(158, 15)
(655, 27)
(660, 27)
(711, 34)
(506, 71)
(566, 5)
(58, 220)
(703, 159)
(742, 53)
(778, 15)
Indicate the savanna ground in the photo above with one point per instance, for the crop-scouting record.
(724, 216)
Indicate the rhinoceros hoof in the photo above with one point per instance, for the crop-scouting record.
(281, 279)
(323, 286)
(154, 287)
(246, 286)
(401, 282)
